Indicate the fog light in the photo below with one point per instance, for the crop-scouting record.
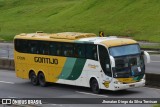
(115, 82)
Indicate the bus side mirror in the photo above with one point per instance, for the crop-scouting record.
(113, 64)
(146, 57)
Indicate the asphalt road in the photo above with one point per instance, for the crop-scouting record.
(12, 87)
(6, 51)
(154, 66)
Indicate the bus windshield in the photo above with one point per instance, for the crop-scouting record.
(128, 61)
(124, 50)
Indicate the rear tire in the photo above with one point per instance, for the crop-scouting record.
(94, 86)
(42, 80)
(33, 78)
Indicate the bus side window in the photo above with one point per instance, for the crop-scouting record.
(45, 48)
(91, 52)
(52, 48)
(68, 50)
(58, 49)
(79, 50)
(40, 47)
(21, 45)
(32, 47)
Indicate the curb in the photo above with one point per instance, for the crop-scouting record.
(149, 49)
(153, 80)
(153, 52)
(6, 63)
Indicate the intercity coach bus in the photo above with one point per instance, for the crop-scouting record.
(80, 59)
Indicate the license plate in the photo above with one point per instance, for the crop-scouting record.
(131, 85)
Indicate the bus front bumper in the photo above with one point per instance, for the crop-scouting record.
(130, 85)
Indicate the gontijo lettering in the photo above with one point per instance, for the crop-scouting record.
(46, 60)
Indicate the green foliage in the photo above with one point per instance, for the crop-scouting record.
(151, 46)
(157, 105)
(136, 18)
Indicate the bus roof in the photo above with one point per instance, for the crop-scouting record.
(77, 37)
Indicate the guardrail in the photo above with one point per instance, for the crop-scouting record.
(6, 50)
(152, 80)
(151, 51)
(6, 63)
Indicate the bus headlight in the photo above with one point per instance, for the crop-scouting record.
(117, 82)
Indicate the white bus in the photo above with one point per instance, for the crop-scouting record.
(80, 59)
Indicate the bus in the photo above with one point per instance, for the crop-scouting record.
(80, 59)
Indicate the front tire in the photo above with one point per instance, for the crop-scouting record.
(42, 80)
(94, 86)
(33, 78)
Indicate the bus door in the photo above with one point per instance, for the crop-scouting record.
(104, 62)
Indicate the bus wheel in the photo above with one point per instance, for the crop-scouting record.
(94, 86)
(33, 78)
(42, 80)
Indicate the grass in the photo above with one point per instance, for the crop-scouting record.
(151, 46)
(135, 18)
(157, 105)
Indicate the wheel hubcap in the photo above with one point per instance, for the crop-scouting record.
(33, 79)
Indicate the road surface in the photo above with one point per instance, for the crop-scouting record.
(154, 66)
(12, 87)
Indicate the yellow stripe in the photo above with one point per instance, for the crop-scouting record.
(118, 42)
(126, 80)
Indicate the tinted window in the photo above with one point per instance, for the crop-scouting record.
(55, 48)
(80, 50)
(91, 52)
(67, 50)
(88, 51)
(104, 60)
(32, 47)
(21, 45)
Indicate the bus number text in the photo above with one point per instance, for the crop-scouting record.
(45, 60)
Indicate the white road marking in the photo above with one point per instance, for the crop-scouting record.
(11, 97)
(91, 94)
(7, 82)
(53, 104)
(47, 103)
(152, 88)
